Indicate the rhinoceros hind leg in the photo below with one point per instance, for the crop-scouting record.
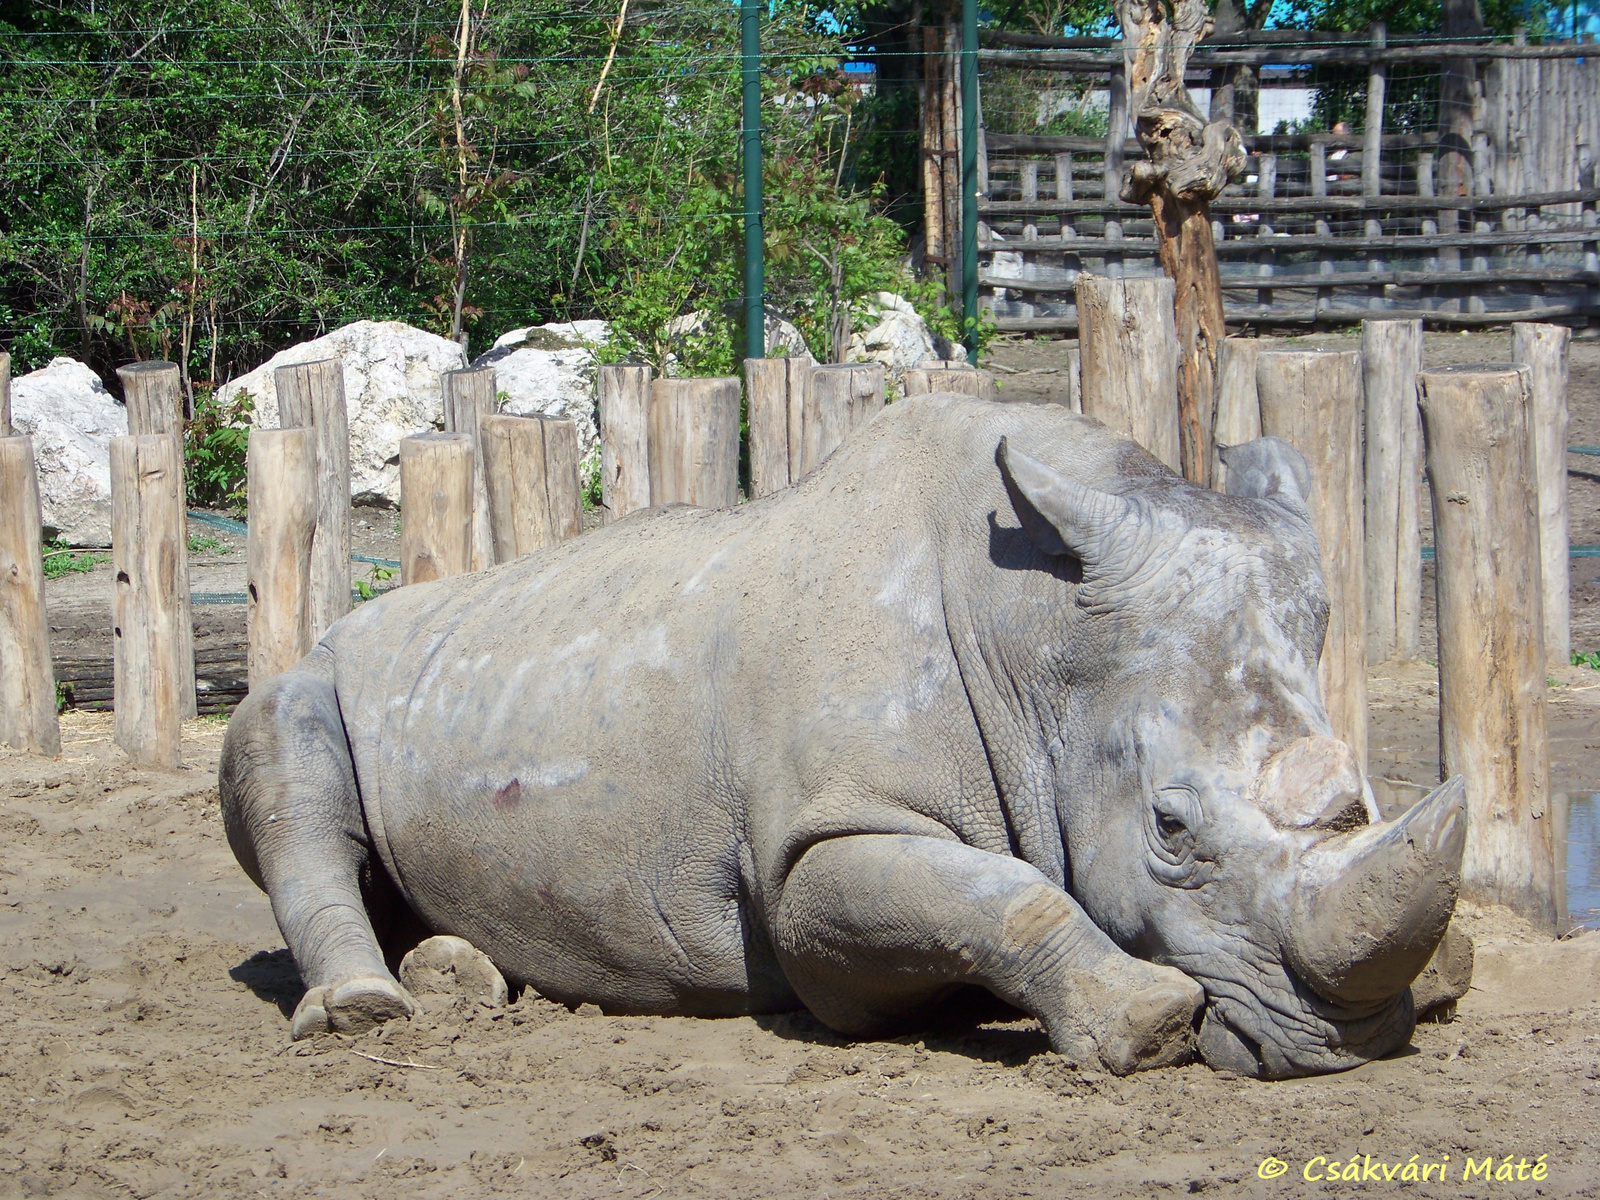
(454, 967)
(294, 820)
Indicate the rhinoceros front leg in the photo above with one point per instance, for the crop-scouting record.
(872, 926)
(294, 821)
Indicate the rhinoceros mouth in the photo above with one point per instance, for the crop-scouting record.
(1285, 1030)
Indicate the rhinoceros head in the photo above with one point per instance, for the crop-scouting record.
(1212, 821)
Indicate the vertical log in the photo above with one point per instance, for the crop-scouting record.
(1238, 409)
(5, 394)
(1266, 188)
(950, 158)
(797, 386)
(839, 397)
(1543, 350)
(1116, 136)
(963, 381)
(1391, 356)
(1319, 190)
(932, 150)
(153, 396)
(27, 683)
(534, 493)
(1372, 145)
(624, 440)
(766, 391)
(435, 507)
(469, 396)
(1492, 719)
(1074, 381)
(282, 481)
(312, 395)
(694, 442)
(1312, 400)
(149, 553)
(1129, 347)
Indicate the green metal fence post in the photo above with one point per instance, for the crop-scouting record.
(969, 175)
(755, 338)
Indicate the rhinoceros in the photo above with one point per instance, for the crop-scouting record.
(992, 698)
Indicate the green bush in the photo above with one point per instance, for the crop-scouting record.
(215, 445)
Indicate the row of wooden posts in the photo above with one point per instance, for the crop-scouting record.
(1493, 440)
(486, 490)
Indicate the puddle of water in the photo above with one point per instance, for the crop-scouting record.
(1583, 859)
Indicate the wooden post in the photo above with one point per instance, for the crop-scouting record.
(932, 149)
(435, 506)
(1391, 356)
(1543, 350)
(1129, 346)
(839, 397)
(1116, 136)
(1372, 145)
(1312, 400)
(312, 394)
(469, 395)
(150, 555)
(964, 381)
(282, 481)
(1492, 720)
(767, 403)
(1074, 381)
(624, 440)
(535, 498)
(153, 395)
(5, 395)
(27, 683)
(694, 442)
(1267, 189)
(1238, 409)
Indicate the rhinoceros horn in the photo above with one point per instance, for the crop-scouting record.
(1063, 517)
(1368, 907)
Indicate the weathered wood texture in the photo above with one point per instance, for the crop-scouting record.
(1238, 409)
(435, 506)
(1391, 356)
(1492, 719)
(282, 478)
(1129, 349)
(5, 394)
(963, 380)
(772, 386)
(153, 394)
(1312, 400)
(469, 396)
(312, 394)
(1075, 380)
(152, 641)
(1543, 350)
(27, 685)
(838, 399)
(694, 442)
(535, 496)
(624, 391)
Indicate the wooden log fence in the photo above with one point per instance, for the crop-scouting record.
(1543, 350)
(1391, 357)
(535, 498)
(436, 492)
(469, 395)
(1129, 360)
(624, 393)
(1340, 241)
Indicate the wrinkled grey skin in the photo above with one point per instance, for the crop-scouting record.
(992, 698)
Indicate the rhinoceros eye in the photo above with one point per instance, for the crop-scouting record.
(1170, 826)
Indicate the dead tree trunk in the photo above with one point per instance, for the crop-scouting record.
(1189, 163)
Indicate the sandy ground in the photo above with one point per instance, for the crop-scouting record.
(145, 991)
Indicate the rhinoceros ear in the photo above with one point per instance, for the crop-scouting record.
(1063, 517)
(1269, 468)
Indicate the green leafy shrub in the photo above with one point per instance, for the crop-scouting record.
(60, 559)
(215, 445)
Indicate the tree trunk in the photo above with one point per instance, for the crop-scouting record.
(1189, 163)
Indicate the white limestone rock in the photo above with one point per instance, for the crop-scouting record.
(71, 418)
(891, 332)
(549, 371)
(392, 389)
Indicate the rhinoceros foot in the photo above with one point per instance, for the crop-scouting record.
(353, 1006)
(1153, 1024)
(453, 967)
